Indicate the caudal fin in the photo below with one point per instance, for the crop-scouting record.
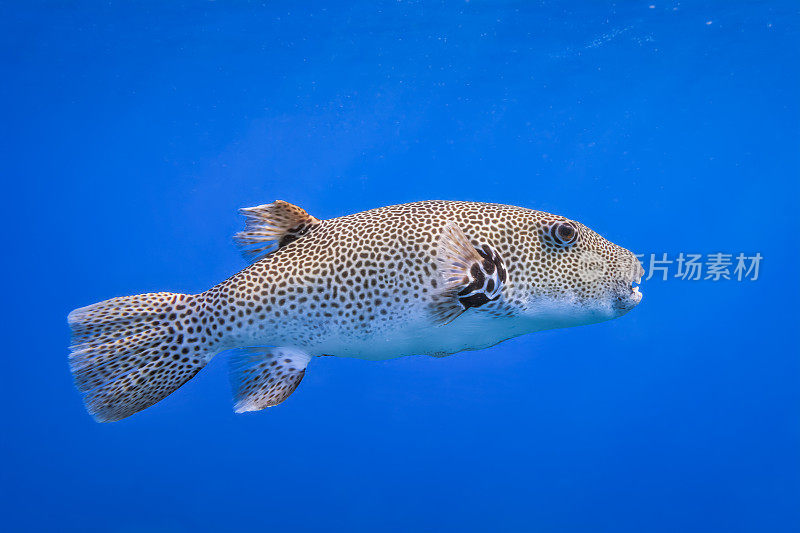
(130, 352)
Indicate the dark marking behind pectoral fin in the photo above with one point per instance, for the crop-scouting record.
(486, 279)
(472, 276)
(272, 226)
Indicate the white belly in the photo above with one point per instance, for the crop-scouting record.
(420, 338)
(473, 330)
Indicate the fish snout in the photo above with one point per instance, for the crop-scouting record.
(629, 294)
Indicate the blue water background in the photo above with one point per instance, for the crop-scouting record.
(132, 131)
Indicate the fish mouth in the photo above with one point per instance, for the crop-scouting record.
(636, 293)
(631, 297)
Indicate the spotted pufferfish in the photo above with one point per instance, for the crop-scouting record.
(431, 277)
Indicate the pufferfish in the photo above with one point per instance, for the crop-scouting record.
(431, 277)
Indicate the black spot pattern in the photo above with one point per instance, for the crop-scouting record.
(128, 353)
(338, 282)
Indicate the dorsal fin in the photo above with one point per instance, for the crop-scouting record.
(272, 226)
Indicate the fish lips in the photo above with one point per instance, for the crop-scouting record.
(630, 297)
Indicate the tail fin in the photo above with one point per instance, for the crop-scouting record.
(130, 352)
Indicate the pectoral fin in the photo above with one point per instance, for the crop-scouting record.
(272, 226)
(472, 276)
(262, 377)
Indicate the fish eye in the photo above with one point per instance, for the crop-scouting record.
(564, 233)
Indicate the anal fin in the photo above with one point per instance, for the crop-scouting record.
(272, 226)
(263, 376)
